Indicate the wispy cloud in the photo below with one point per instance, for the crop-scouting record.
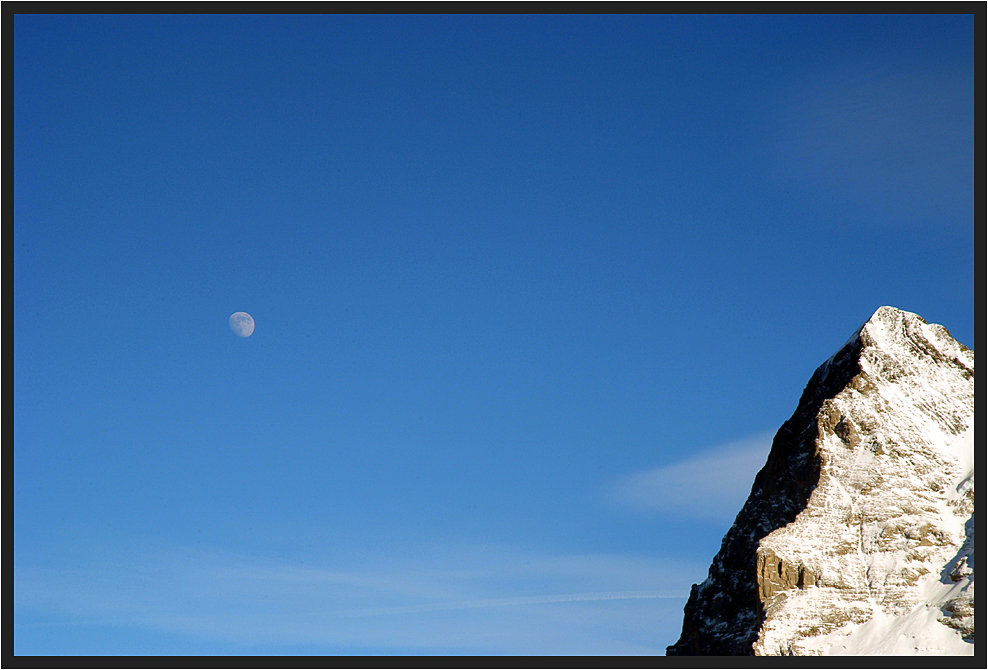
(518, 601)
(711, 486)
(476, 599)
(895, 142)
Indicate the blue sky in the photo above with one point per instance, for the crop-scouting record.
(532, 295)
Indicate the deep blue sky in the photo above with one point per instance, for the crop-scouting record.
(532, 295)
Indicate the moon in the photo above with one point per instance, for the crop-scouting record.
(242, 324)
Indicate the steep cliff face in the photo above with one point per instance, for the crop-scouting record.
(861, 520)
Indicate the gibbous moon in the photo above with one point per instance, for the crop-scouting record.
(242, 324)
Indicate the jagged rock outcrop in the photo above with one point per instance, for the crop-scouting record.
(862, 518)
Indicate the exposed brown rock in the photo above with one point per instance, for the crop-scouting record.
(847, 513)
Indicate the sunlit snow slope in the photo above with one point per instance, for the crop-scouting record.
(858, 535)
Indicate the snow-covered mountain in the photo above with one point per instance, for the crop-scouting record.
(858, 534)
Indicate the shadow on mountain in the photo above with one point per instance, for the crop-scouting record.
(724, 613)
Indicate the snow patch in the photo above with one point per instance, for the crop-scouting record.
(917, 633)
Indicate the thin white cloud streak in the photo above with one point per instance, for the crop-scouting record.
(438, 607)
(712, 486)
(468, 599)
(514, 602)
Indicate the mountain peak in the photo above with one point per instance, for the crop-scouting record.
(862, 516)
(890, 327)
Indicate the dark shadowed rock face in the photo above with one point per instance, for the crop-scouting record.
(858, 479)
(723, 614)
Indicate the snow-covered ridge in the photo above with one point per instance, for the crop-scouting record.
(858, 534)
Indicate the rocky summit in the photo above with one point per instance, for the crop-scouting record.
(858, 534)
